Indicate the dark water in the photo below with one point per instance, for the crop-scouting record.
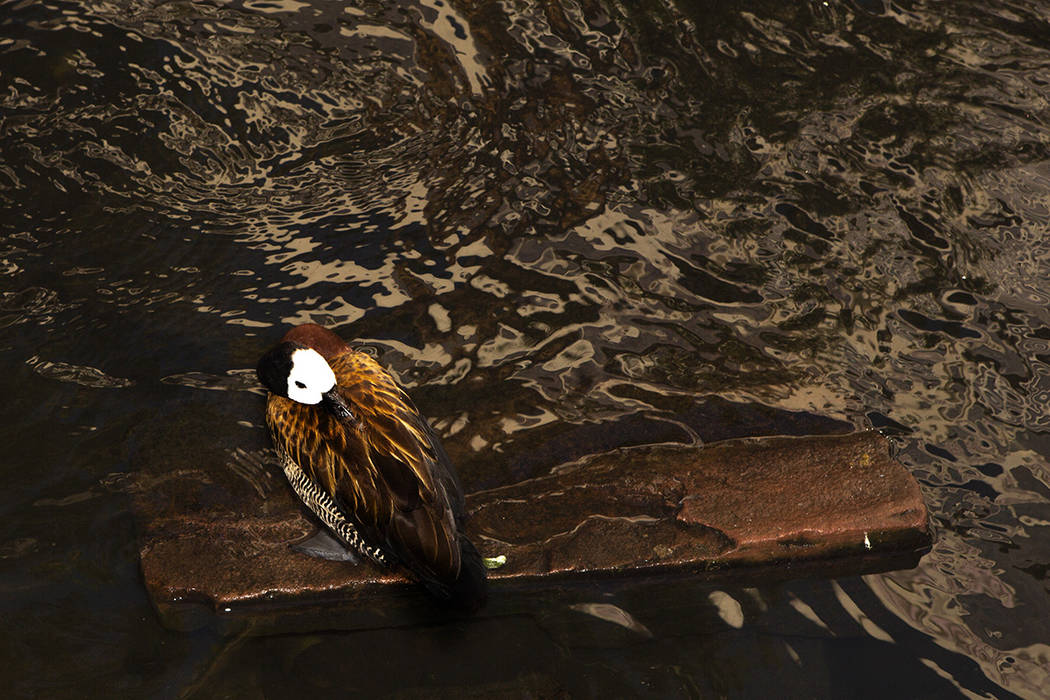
(549, 218)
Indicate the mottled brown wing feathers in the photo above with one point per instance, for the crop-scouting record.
(385, 469)
(399, 479)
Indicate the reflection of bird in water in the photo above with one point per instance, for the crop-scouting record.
(367, 464)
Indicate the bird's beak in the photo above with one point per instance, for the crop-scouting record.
(335, 404)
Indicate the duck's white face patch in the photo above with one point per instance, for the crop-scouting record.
(310, 377)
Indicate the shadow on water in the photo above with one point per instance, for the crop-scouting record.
(567, 226)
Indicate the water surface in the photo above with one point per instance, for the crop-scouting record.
(567, 226)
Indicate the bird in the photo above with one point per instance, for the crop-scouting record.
(361, 457)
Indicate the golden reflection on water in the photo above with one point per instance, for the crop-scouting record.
(547, 218)
(919, 598)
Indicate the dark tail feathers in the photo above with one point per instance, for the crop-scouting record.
(469, 592)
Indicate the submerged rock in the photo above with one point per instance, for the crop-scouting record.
(220, 540)
(741, 502)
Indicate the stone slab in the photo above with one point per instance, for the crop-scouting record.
(775, 507)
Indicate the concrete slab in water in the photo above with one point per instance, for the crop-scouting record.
(762, 508)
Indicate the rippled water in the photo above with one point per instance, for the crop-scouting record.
(568, 226)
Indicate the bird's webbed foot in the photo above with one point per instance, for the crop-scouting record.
(324, 545)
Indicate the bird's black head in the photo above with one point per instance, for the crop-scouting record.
(300, 373)
(275, 367)
(296, 372)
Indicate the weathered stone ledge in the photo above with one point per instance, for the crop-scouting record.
(777, 507)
